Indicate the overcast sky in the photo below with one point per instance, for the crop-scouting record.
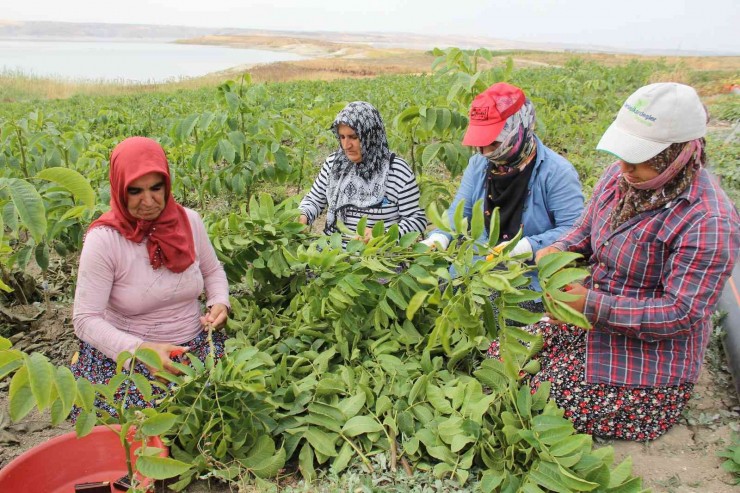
(704, 25)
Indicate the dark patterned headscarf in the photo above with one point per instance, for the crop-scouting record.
(677, 166)
(358, 184)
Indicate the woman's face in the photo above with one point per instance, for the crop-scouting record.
(145, 197)
(638, 173)
(489, 148)
(350, 143)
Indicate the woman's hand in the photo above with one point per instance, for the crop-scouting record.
(577, 289)
(165, 351)
(578, 305)
(544, 251)
(368, 235)
(216, 316)
(303, 219)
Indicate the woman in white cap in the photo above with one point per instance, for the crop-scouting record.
(533, 187)
(661, 238)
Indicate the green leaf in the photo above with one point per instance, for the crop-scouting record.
(9, 363)
(549, 264)
(557, 479)
(430, 152)
(85, 394)
(341, 461)
(634, 485)
(20, 395)
(437, 399)
(476, 223)
(565, 313)
(271, 466)
(42, 256)
(491, 480)
(359, 425)
(324, 421)
(565, 276)
(459, 218)
(41, 378)
(158, 424)
(541, 397)
(29, 205)
(520, 315)
(160, 467)
(524, 401)
(85, 423)
(321, 441)
(226, 150)
(415, 303)
(394, 295)
(186, 127)
(352, 405)
(620, 473)
(3, 286)
(361, 225)
(73, 181)
(149, 357)
(570, 445)
(305, 463)
(382, 405)
(143, 384)
(435, 217)
(66, 389)
(552, 429)
(494, 226)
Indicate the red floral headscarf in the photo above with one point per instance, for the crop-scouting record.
(170, 238)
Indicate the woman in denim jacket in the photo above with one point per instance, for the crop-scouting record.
(534, 187)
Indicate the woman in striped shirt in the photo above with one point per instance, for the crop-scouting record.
(363, 178)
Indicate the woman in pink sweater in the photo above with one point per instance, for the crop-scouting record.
(143, 267)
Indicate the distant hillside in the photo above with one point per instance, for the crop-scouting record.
(47, 30)
(12, 29)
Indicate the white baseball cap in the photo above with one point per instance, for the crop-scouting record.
(652, 118)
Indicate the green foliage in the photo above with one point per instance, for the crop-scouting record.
(37, 383)
(732, 456)
(372, 348)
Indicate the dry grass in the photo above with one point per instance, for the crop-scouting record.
(17, 86)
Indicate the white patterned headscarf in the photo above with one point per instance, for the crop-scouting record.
(358, 184)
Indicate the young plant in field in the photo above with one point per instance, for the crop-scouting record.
(36, 382)
(731, 455)
(39, 221)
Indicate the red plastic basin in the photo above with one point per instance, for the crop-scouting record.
(57, 465)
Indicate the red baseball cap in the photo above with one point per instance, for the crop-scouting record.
(489, 111)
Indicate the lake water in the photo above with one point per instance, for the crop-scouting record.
(126, 61)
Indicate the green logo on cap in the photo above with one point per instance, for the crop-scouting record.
(638, 114)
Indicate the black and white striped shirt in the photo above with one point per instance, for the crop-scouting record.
(399, 206)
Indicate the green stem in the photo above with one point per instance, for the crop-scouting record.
(24, 166)
(365, 460)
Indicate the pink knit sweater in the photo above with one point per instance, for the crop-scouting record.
(121, 301)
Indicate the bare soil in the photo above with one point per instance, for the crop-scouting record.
(682, 461)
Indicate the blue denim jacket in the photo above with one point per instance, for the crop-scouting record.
(554, 198)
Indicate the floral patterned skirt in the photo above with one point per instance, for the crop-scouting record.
(98, 368)
(629, 413)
